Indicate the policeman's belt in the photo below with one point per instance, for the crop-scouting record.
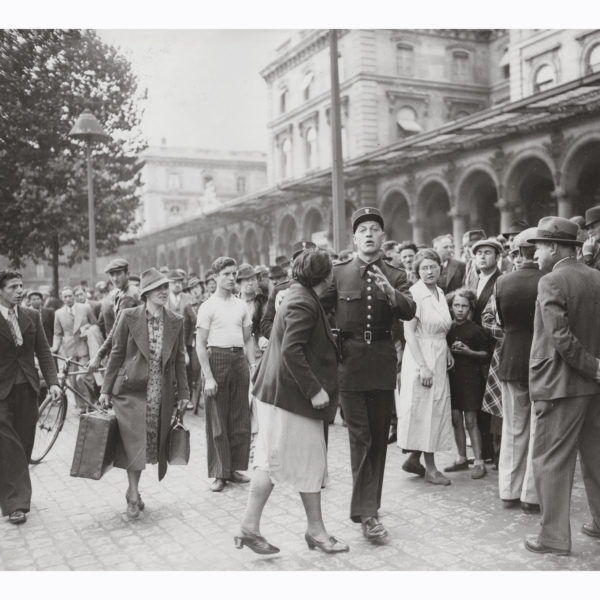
(367, 336)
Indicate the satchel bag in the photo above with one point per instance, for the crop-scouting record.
(179, 442)
(95, 446)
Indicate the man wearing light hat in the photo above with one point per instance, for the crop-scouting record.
(368, 295)
(178, 299)
(280, 287)
(516, 293)
(591, 248)
(471, 275)
(564, 384)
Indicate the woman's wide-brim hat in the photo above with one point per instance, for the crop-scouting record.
(152, 279)
(556, 229)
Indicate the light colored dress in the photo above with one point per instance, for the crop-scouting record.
(424, 417)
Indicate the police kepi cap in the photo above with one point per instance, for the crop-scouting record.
(592, 215)
(366, 213)
(117, 264)
(300, 247)
(556, 229)
(152, 279)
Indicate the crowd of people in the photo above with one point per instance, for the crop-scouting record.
(497, 348)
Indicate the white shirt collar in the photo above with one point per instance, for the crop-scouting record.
(4, 310)
(483, 279)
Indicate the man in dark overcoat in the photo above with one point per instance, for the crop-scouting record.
(516, 293)
(22, 339)
(367, 295)
(564, 384)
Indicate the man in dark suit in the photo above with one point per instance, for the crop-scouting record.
(564, 384)
(368, 295)
(591, 247)
(486, 253)
(516, 293)
(453, 270)
(21, 339)
(36, 301)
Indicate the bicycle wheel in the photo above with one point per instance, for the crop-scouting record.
(51, 419)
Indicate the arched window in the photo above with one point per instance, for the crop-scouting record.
(286, 159)
(283, 101)
(307, 81)
(405, 60)
(406, 121)
(545, 78)
(593, 61)
(311, 148)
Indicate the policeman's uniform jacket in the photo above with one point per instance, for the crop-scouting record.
(365, 320)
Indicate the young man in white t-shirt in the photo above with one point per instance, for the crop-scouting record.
(225, 351)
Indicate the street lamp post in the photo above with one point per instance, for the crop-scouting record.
(88, 128)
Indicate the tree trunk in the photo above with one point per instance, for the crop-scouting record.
(54, 264)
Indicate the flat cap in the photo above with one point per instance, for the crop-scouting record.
(491, 242)
(117, 264)
(522, 239)
(366, 213)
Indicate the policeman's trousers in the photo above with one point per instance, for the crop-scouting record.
(368, 416)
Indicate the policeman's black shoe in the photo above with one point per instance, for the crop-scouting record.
(530, 507)
(17, 517)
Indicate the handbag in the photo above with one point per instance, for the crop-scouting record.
(179, 442)
(95, 447)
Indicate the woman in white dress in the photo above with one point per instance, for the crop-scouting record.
(423, 404)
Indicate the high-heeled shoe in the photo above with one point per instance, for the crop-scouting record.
(133, 510)
(332, 546)
(140, 502)
(255, 542)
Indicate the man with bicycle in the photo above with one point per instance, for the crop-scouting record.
(22, 339)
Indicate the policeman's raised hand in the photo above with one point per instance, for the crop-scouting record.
(54, 392)
(381, 281)
(210, 387)
(94, 364)
(320, 399)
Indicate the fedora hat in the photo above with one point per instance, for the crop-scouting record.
(177, 275)
(152, 279)
(516, 227)
(276, 271)
(245, 271)
(282, 261)
(592, 215)
(491, 242)
(473, 236)
(556, 229)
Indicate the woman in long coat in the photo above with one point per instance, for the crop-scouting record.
(146, 361)
(296, 385)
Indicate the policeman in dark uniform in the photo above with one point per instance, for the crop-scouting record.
(278, 291)
(367, 295)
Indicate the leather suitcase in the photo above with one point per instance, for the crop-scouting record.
(95, 447)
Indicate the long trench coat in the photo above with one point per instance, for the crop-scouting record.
(126, 380)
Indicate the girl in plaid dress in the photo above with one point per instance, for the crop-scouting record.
(469, 345)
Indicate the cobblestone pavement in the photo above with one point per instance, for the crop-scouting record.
(79, 524)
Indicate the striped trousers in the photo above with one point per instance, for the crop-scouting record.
(228, 413)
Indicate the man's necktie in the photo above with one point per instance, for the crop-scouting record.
(14, 327)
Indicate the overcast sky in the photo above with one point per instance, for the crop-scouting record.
(204, 87)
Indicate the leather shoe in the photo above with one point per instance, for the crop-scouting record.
(414, 467)
(218, 485)
(437, 478)
(237, 477)
(589, 529)
(133, 510)
(374, 531)
(331, 546)
(457, 466)
(511, 503)
(140, 502)
(530, 507)
(254, 541)
(534, 545)
(479, 471)
(17, 517)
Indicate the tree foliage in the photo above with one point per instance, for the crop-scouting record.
(47, 78)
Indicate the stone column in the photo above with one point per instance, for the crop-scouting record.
(506, 214)
(418, 227)
(458, 229)
(564, 203)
